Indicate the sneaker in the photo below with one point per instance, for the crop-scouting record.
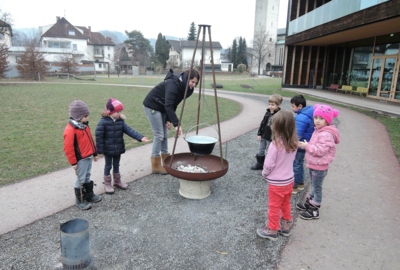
(303, 206)
(300, 187)
(311, 213)
(285, 229)
(295, 190)
(268, 234)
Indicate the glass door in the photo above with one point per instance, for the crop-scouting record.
(384, 80)
(387, 78)
(375, 80)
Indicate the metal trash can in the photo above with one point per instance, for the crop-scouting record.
(75, 244)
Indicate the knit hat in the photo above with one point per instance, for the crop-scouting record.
(114, 105)
(78, 109)
(326, 112)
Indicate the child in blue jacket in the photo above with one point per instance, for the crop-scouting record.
(305, 128)
(110, 142)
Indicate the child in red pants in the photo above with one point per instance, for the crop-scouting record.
(278, 172)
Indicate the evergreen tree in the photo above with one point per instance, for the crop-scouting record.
(3, 60)
(245, 52)
(140, 47)
(192, 32)
(234, 53)
(162, 50)
(242, 51)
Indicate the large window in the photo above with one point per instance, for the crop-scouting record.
(60, 44)
(362, 60)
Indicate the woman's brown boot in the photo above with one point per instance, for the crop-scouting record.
(156, 165)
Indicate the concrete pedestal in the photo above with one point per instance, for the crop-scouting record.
(196, 190)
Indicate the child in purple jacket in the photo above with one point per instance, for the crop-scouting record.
(320, 152)
(278, 172)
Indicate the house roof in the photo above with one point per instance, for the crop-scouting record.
(3, 24)
(96, 38)
(64, 29)
(178, 45)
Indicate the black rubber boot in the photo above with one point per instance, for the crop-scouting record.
(81, 200)
(260, 163)
(89, 194)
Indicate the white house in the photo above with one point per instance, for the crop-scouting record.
(88, 47)
(181, 54)
(92, 50)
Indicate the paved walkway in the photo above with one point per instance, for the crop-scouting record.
(359, 224)
(352, 100)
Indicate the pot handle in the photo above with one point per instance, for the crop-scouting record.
(201, 124)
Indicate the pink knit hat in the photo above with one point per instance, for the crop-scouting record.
(326, 112)
(114, 105)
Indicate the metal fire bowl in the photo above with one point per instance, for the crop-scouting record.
(210, 163)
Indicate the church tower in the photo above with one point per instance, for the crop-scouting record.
(266, 22)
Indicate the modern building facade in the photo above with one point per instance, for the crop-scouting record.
(344, 42)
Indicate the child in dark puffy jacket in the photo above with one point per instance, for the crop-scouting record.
(305, 128)
(264, 131)
(80, 150)
(110, 142)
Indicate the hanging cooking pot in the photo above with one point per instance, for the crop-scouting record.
(200, 144)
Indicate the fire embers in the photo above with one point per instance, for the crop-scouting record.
(191, 169)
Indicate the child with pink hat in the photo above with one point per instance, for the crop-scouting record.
(320, 152)
(110, 142)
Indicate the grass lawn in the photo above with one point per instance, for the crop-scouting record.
(35, 115)
(31, 138)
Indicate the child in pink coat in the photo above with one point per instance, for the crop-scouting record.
(320, 152)
(278, 172)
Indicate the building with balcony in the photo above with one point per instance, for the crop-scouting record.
(86, 46)
(344, 42)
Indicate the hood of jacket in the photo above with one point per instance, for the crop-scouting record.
(332, 130)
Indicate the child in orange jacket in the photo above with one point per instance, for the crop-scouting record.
(80, 150)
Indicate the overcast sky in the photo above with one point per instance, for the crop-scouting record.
(227, 18)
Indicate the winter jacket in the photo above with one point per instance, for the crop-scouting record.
(265, 127)
(109, 136)
(78, 142)
(321, 149)
(278, 166)
(166, 96)
(304, 124)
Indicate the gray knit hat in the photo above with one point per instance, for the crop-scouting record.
(78, 109)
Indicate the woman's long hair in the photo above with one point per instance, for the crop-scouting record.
(284, 131)
(193, 74)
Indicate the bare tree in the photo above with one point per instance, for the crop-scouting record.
(262, 48)
(32, 64)
(69, 63)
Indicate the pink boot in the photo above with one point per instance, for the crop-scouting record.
(107, 184)
(118, 183)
